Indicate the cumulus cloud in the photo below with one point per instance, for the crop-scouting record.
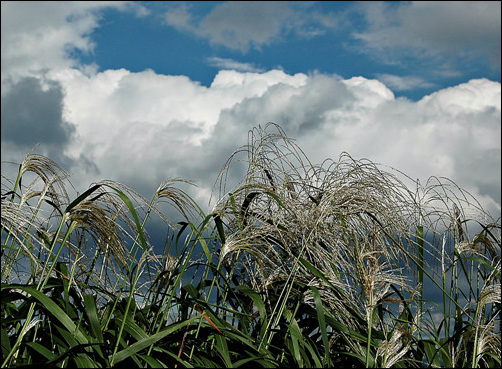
(428, 29)
(142, 128)
(159, 125)
(240, 25)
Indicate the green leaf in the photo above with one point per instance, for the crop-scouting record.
(485, 263)
(222, 348)
(79, 199)
(5, 342)
(219, 227)
(92, 314)
(277, 199)
(257, 300)
(315, 271)
(296, 335)
(431, 352)
(77, 353)
(148, 341)
(313, 354)
(234, 207)
(322, 322)
(63, 270)
(44, 351)
(55, 310)
(133, 329)
(184, 363)
(152, 362)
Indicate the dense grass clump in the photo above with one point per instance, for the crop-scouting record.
(347, 263)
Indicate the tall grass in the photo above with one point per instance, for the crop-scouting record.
(346, 263)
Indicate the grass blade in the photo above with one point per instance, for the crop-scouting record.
(151, 340)
(55, 310)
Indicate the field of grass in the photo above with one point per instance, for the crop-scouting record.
(343, 264)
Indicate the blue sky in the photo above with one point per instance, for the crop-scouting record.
(140, 92)
(328, 37)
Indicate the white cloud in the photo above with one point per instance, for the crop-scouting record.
(39, 35)
(430, 28)
(144, 127)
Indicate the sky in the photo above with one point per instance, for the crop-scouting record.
(140, 92)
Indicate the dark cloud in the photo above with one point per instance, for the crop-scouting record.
(33, 114)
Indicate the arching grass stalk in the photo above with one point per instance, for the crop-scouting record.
(280, 305)
(200, 239)
(52, 176)
(51, 262)
(475, 352)
(181, 199)
(446, 304)
(420, 269)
